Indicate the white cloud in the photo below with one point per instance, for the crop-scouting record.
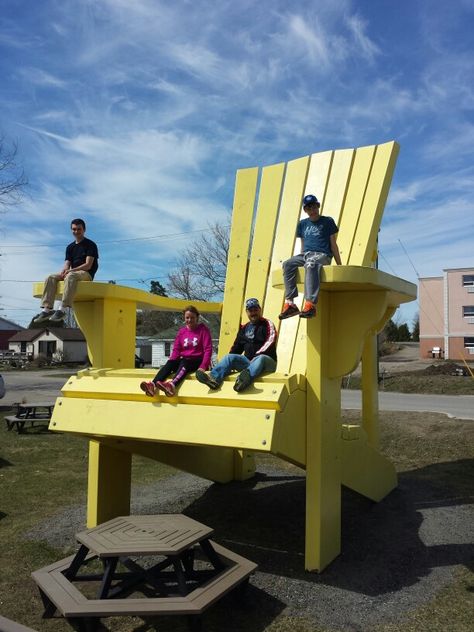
(40, 77)
(358, 27)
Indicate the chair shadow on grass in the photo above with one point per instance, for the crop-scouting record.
(263, 519)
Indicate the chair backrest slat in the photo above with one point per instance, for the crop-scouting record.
(237, 260)
(337, 182)
(293, 190)
(295, 180)
(264, 231)
(364, 247)
(351, 212)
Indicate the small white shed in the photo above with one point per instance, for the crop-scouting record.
(64, 344)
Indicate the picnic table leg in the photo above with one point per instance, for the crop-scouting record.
(110, 566)
(49, 607)
(87, 624)
(211, 554)
(77, 562)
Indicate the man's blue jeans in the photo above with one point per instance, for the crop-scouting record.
(234, 362)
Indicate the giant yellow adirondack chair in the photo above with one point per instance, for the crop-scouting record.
(294, 413)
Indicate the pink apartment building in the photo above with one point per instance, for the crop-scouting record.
(447, 314)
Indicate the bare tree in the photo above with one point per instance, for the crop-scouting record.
(200, 269)
(12, 176)
(150, 322)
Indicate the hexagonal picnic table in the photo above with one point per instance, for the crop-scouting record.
(190, 574)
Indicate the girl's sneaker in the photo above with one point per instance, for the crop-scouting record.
(169, 388)
(148, 388)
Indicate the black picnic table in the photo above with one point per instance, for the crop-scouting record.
(29, 411)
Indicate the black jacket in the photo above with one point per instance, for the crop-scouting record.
(253, 340)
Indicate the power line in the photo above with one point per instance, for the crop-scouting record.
(426, 315)
(154, 278)
(115, 241)
(388, 263)
(408, 257)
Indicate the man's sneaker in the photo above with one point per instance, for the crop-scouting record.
(44, 316)
(308, 311)
(207, 379)
(168, 388)
(243, 380)
(58, 316)
(289, 309)
(148, 388)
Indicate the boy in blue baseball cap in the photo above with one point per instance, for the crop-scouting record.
(318, 246)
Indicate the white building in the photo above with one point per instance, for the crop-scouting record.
(64, 344)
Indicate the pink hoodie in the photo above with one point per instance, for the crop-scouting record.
(193, 343)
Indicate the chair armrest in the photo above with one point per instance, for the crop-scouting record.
(356, 279)
(91, 291)
(355, 302)
(106, 315)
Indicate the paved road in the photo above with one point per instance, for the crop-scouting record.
(459, 406)
(31, 386)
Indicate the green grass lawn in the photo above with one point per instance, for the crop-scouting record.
(42, 473)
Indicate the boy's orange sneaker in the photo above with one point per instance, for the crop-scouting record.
(289, 309)
(309, 310)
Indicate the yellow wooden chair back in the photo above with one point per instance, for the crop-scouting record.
(352, 185)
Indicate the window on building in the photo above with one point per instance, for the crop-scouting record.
(468, 311)
(469, 342)
(167, 349)
(23, 347)
(468, 279)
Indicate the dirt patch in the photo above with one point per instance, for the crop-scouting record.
(446, 368)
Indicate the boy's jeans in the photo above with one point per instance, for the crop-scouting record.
(234, 362)
(312, 262)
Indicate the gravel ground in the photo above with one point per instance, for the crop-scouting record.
(396, 554)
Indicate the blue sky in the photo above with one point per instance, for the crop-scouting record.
(136, 115)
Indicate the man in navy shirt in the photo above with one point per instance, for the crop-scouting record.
(318, 246)
(80, 265)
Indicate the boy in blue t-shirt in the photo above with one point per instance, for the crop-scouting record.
(318, 246)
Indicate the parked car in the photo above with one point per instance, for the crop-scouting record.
(139, 362)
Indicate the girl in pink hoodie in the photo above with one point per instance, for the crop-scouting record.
(192, 349)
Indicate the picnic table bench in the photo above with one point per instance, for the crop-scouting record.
(31, 412)
(7, 625)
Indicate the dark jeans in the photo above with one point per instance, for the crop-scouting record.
(180, 367)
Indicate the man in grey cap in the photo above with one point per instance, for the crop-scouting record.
(318, 246)
(256, 340)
